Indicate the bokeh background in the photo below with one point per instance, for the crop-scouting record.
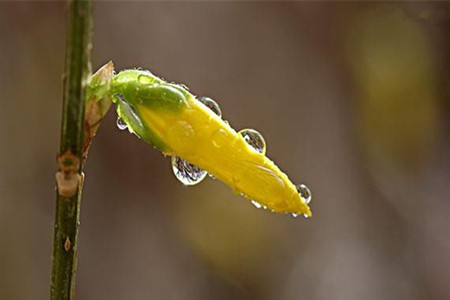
(352, 99)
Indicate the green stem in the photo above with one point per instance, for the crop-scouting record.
(70, 159)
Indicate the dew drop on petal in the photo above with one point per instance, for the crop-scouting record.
(254, 139)
(304, 192)
(211, 104)
(121, 124)
(187, 173)
(256, 204)
(219, 138)
(236, 192)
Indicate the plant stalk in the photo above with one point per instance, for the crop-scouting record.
(70, 158)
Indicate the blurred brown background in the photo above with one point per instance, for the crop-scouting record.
(352, 99)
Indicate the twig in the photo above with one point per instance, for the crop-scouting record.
(70, 159)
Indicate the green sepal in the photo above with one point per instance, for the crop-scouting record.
(132, 90)
(131, 117)
(160, 97)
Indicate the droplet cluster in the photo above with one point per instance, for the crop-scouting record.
(189, 174)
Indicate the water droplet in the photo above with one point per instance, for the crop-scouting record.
(294, 215)
(212, 105)
(145, 79)
(235, 179)
(305, 216)
(219, 138)
(304, 192)
(187, 173)
(121, 124)
(254, 139)
(256, 204)
(183, 86)
(236, 192)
